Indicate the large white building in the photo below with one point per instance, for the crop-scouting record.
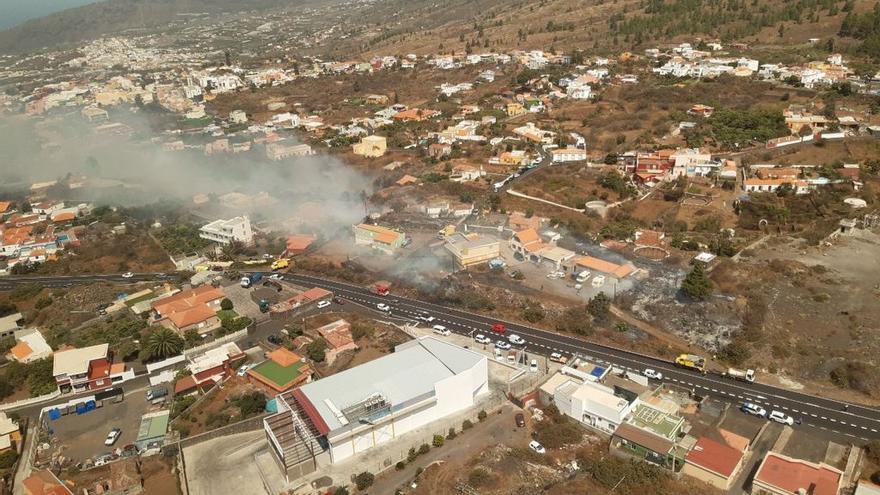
(334, 418)
(226, 231)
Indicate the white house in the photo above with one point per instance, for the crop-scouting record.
(335, 418)
(593, 404)
(226, 231)
(579, 91)
(568, 155)
(238, 117)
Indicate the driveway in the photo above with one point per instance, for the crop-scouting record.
(760, 448)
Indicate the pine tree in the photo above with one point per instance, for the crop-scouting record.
(696, 284)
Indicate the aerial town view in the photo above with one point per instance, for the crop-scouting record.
(458, 247)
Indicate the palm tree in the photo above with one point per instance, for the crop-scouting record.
(162, 343)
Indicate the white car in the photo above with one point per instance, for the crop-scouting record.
(557, 357)
(501, 344)
(276, 276)
(243, 370)
(533, 366)
(781, 417)
(127, 275)
(653, 374)
(753, 409)
(482, 339)
(537, 447)
(383, 307)
(425, 317)
(441, 330)
(323, 304)
(112, 436)
(598, 281)
(516, 339)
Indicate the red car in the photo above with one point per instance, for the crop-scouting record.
(499, 328)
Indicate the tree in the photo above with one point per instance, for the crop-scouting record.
(364, 480)
(599, 306)
(8, 458)
(316, 350)
(696, 284)
(191, 338)
(163, 343)
(226, 304)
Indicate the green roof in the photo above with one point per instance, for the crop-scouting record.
(656, 421)
(153, 425)
(277, 375)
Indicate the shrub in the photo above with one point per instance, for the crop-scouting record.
(364, 480)
(8, 458)
(467, 424)
(341, 491)
(479, 477)
(482, 415)
(411, 455)
(872, 451)
(438, 441)
(400, 465)
(424, 448)
(599, 306)
(451, 434)
(226, 304)
(696, 284)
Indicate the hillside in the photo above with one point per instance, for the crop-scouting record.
(109, 16)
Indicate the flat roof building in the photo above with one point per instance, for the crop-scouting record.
(225, 231)
(332, 419)
(472, 249)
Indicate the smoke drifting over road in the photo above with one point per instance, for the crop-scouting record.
(320, 191)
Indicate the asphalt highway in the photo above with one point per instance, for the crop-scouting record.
(855, 421)
(852, 420)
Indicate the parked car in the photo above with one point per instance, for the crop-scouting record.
(515, 339)
(653, 374)
(753, 409)
(441, 330)
(274, 339)
(533, 366)
(781, 417)
(276, 276)
(520, 420)
(482, 339)
(502, 344)
(537, 447)
(243, 370)
(338, 300)
(557, 357)
(598, 281)
(127, 275)
(383, 307)
(113, 436)
(323, 304)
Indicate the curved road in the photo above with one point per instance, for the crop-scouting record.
(855, 421)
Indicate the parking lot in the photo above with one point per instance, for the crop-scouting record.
(80, 437)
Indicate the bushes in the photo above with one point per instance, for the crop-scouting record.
(467, 424)
(364, 480)
(872, 451)
(482, 415)
(575, 320)
(8, 458)
(451, 434)
(438, 441)
(479, 477)
(696, 284)
(316, 350)
(599, 306)
(400, 465)
(854, 375)
(558, 431)
(424, 449)
(226, 304)
(250, 404)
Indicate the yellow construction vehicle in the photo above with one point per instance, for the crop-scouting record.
(691, 361)
(280, 264)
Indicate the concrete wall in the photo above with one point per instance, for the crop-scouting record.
(708, 477)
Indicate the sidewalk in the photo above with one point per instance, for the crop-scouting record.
(24, 466)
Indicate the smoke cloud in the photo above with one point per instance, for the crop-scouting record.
(319, 192)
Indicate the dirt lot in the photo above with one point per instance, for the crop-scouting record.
(215, 410)
(821, 310)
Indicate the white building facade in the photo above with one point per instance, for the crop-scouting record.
(225, 231)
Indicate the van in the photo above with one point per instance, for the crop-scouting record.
(441, 330)
(156, 393)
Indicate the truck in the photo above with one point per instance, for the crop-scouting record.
(743, 376)
(446, 231)
(691, 361)
(280, 264)
(250, 279)
(381, 288)
(157, 395)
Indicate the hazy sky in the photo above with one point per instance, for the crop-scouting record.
(17, 11)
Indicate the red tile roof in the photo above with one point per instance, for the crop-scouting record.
(44, 483)
(790, 475)
(715, 457)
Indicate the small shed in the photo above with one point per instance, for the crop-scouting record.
(152, 429)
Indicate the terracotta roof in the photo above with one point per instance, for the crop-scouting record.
(790, 475)
(643, 438)
(189, 307)
(284, 357)
(191, 316)
(603, 266)
(185, 384)
(4, 205)
(299, 242)
(63, 217)
(337, 334)
(527, 236)
(21, 351)
(45, 483)
(406, 179)
(715, 457)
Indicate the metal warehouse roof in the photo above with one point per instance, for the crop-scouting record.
(411, 371)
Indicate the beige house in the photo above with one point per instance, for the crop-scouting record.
(371, 146)
(471, 249)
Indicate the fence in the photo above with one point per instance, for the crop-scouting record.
(187, 353)
(27, 402)
(250, 424)
(165, 363)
